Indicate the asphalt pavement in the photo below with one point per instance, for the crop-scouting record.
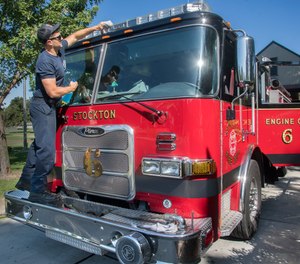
(277, 240)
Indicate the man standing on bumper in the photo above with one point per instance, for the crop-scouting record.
(50, 70)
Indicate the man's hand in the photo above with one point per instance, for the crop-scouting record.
(80, 34)
(104, 25)
(54, 91)
(73, 86)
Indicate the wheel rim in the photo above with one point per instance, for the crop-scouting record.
(253, 200)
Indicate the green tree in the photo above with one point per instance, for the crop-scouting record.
(13, 114)
(19, 47)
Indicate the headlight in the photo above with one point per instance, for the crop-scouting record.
(151, 167)
(170, 168)
(162, 167)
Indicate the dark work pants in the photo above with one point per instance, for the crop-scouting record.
(41, 154)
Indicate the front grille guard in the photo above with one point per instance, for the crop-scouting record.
(99, 160)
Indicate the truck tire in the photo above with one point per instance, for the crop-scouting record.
(252, 204)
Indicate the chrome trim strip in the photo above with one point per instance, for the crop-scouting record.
(243, 175)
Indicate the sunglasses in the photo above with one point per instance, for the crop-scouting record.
(59, 37)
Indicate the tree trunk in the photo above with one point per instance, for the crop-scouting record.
(5, 90)
(4, 157)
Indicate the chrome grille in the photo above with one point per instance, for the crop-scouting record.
(111, 186)
(117, 139)
(112, 162)
(115, 147)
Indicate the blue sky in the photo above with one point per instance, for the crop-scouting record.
(265, 20)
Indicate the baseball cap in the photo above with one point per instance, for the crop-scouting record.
(45, 31)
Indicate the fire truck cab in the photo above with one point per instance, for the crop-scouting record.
(159, 151)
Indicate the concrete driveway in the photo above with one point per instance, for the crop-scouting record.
(277, 241)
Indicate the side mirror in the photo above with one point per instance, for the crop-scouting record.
(246, 60)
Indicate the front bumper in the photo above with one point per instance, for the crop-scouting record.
(134, 236)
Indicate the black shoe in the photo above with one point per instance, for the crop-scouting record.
(45, 198)
(23, 185)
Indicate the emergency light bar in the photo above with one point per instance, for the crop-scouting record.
(174, 11)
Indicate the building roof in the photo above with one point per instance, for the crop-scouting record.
(276, 43)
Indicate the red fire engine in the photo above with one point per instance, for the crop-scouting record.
(167, 142)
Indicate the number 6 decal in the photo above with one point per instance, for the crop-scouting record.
(287, 136)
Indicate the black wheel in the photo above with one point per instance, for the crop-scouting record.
(252, 204)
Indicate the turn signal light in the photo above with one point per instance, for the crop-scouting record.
(203, 167)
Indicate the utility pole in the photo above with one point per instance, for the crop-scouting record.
(24, 116)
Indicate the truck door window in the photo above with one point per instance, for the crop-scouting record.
(229, 83)
(169, 64)
(82, 67)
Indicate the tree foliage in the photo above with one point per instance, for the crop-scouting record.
(19, 46)
(13, 114)
(20, 20)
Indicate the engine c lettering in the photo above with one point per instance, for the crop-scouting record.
(280, 121)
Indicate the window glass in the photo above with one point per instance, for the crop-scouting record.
(272, 90)
(81, 67)
(274, 69)
(170, 64)
(229, 83)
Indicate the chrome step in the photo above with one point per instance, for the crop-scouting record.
(77, 242)
(167, 224)
(229, 222)
(97, 228)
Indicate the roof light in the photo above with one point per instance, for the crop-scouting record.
(127, 31)
(174, 11)
(199, 5)
(227, 24)
(175, 19)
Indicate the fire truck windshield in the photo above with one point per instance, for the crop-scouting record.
(169, 64)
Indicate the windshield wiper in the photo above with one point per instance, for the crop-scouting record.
(124, 95)
(109, 96)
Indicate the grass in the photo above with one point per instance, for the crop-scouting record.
(16, 151)
(15, 137)
(17, 157)
(6, 185)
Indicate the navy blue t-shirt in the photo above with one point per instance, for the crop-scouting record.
(49, 66)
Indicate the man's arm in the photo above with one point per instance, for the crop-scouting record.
(54, 91)
(80, 34)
